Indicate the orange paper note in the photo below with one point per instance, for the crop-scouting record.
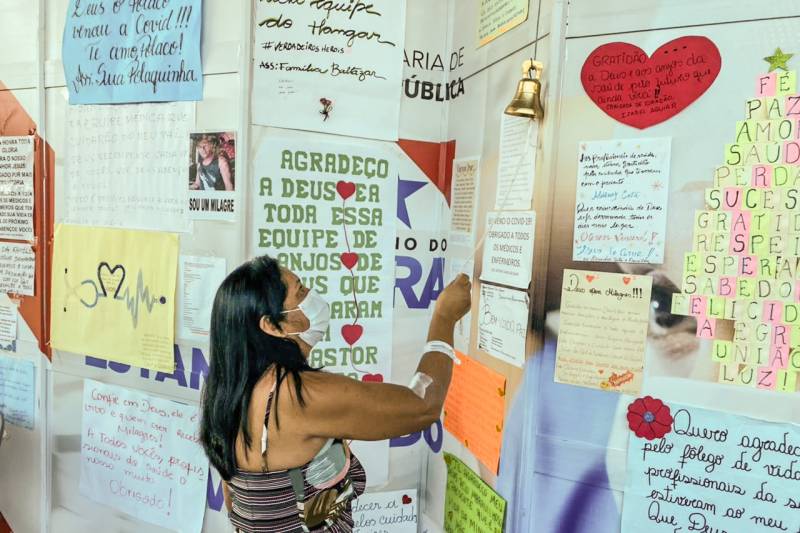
(474, 409)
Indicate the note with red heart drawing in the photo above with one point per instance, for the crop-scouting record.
(642, 90)
(603, 323)
(390, 512)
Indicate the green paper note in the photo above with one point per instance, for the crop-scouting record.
(470, 505)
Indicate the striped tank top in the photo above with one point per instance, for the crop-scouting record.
(313, 498)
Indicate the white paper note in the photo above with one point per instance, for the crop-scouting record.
(508, 249)
(713, 472)
(333, 67)
(16, 188)
(461, 333)
(18, 391)
(621, 204)
(463, 202)
(503, 323)
(141, 454)
(386, 512)
(125, 165)
(17, 268)
(516, 166)
(198, 281)
(8, 324)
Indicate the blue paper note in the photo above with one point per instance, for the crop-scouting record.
(714, 472)
(17, 391)
(124, 51)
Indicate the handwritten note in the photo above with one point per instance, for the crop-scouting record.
(621, 206)
(470, 505)
(498, 16)
(332, 67)
(113, 295)
(474, 409)
(8, 325)
(508, 249)
(743, 265)
(124, 163)
(714, 472)
(18, 391)
(503, 323)
(141, 454)
(386, 512)
(133, 51)
(16, 188)
(17, 268)
(463, 206)
(602, 330)
(198, 280)
(516, 165)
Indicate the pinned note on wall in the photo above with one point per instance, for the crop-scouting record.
(17, 268)
(516, 165)
(113, 295)
(470, 505)
(712, 471)
(621, 204)
(123, 52)
(464, 204)
(8, 326)
(503, 323)
(142, 455)
(125, 166)
(198, 281)
(602, 330)
(386, 512)
(474, 410)
(18, 391)
(496, 17)
(16, 188)
(508, 249)
(332, 67)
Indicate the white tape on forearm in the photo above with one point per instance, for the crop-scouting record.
(442, 347)
(420, 383)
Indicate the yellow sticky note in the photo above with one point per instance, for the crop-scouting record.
(786, 83)
(791, 316)
(793, 361)
(786, 381)
(747, 376)
(113, 295)
(722, 352)
(756, 109)
(716, 307)
(680, 304)
(728, 373)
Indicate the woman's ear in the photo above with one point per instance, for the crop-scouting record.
(268, 327)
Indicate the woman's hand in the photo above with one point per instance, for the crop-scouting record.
(455, 300)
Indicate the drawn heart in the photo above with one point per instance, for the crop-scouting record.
(626, 280)
(406, 499)
(352, 332)
(349, 259)
(590, 278)
(346, 189)
(375, 378)
(105, 266)
(641, 91)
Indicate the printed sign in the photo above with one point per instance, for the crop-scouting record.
(508, 249)
(16, 188)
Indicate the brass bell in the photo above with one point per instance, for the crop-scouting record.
(526, 102)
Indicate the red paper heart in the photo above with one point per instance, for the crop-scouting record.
(346, 189)
(626, 280)
(349, 259)
(406, 499)
(352, 332)
(375, 378)
(590, 278)
(641, 91)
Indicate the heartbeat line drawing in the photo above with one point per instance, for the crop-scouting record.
(98, 291)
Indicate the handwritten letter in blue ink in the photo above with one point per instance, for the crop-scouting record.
(17, 391)
(714, 472)
(125, 51)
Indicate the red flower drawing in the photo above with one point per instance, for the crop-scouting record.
(649, 418)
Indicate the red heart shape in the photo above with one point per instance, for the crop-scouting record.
(349, 259)
(375, 378)
(406, 499)
(641, 91)
(352, 332)
(626, 280)
(590, 278)
(346, 189)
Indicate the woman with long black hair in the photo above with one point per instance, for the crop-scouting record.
(286, 464)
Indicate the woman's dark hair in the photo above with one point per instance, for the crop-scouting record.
(240, 354)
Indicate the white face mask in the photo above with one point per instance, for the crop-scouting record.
(318, 313)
